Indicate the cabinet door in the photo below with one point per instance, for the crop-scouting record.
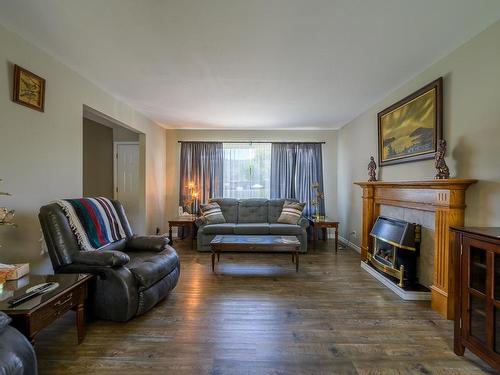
(481, 296)
(476, 291)
(496, 302)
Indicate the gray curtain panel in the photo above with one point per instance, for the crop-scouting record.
(201, 164)
(295, 167)
(309, 171)
(283, 163)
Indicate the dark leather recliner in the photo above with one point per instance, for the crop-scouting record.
(133, 274)
(17, 356)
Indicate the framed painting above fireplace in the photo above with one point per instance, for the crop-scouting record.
(410, 129)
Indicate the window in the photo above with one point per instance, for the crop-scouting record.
(247, 170)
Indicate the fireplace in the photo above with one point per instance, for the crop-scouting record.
(396, 246)
(446, 200)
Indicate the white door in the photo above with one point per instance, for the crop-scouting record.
(127, 179)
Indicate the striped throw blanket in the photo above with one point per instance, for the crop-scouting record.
(94, 221)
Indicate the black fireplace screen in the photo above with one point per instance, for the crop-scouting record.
(395, 249)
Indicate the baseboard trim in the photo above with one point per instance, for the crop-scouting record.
(350, 244)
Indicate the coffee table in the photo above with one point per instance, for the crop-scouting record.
(255, 244)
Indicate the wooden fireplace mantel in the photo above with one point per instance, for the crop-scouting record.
(446, 198)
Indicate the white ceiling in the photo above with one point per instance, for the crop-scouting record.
(249, 64)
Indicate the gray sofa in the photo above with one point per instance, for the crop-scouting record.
(250, 216)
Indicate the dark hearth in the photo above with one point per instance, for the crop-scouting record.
(395, 249)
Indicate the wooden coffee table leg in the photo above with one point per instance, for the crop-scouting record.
(213, 261)
(297, 261)
(218, 257)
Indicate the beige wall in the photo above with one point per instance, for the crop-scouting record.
(329, 156)
(41, 153)
(97, 160)
(471, 127)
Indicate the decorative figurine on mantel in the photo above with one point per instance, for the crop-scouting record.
(440, 163)
(372, 166)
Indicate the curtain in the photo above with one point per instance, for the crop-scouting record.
(309, 171)
(283, 163)
(295, 168)
(201, 172)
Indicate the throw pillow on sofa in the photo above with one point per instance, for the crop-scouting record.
(212, 213)
(291, 212)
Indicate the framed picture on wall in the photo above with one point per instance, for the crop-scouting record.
(410, 129)
(29, 89)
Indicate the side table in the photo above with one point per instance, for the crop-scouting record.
(31, 316)
(186, 222)
(324, 223)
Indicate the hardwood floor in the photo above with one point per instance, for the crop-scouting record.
(258, 316)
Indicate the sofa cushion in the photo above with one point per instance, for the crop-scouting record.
(292, 211)
(225, 228)
(251, 228)
(275, 208)
(229, 208)
(253, 211)
(212, 213)
(149, 267)
(285, 229)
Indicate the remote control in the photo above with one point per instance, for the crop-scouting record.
(35, 292)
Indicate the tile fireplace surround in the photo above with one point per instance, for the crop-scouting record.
(446, 199)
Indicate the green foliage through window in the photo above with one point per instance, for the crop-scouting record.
(247, 170)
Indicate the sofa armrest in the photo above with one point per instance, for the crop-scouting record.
(147, 243)
(10, 363)
(105, 258)
(200, 221)
(4, 321)
(304, 222)
(16, 353)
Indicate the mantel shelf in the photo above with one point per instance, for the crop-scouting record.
(451, 183)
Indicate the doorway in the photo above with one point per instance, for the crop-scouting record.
(114, 164)
(127, 177)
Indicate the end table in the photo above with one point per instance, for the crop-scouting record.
(324, 223)
(180, 222)
(31, 316)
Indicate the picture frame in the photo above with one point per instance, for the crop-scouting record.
(409, 130)
(29, 89)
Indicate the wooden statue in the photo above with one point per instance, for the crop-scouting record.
(440, 163)
(372, 166)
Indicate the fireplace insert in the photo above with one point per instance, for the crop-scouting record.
(396, 246)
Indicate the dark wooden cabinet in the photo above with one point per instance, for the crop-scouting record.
(477, 303)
